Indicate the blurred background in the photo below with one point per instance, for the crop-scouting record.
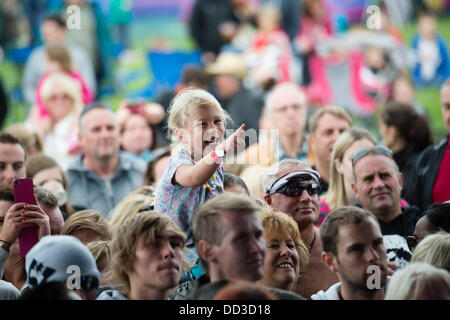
(143, 46)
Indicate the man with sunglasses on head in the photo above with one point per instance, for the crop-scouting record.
(292, 187)
(377, 186)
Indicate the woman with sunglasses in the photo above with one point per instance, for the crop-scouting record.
(340, 192)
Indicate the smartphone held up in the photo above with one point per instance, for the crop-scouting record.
(23, 192)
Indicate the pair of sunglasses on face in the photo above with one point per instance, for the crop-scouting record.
(296, 188)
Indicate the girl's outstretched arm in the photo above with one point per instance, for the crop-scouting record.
(198, 174)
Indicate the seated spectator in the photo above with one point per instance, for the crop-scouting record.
(340, 192)
(435, 250)
(101, 250)
(137, 121)
(46, 173)
(147, 258)
(12, 264)
(62, 97)
(419, 281)
(286, 254)
(232, 183)
(103, 175)
(433, 65)
(436, 218)
(59, 254)
(30, 138)
(407, 133)
(142, 199)
(352, 246)
(87, 226)
(59, 61)
(156, 166)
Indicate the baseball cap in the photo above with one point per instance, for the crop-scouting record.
(56, 258)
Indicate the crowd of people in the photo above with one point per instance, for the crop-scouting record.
(244, 181)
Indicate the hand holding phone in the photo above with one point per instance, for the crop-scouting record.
(24, 193)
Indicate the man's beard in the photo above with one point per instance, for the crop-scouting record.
(361, 284)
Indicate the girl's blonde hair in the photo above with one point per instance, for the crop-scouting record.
(336, 196)
(182, 105)
(69, 87)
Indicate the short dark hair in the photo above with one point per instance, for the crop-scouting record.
(9, 138)
(344, 215)
(439, 215)
(410, 125)
(55, 18)
(94, 105)
(194, 74)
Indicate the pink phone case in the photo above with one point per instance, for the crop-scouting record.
(23, 192)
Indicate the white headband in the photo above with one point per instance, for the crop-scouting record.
(310, 175)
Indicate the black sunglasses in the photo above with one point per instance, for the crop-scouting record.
(379, 149)
(89, 283)
(295, 189)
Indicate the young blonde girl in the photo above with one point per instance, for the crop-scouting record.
(194, 173)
